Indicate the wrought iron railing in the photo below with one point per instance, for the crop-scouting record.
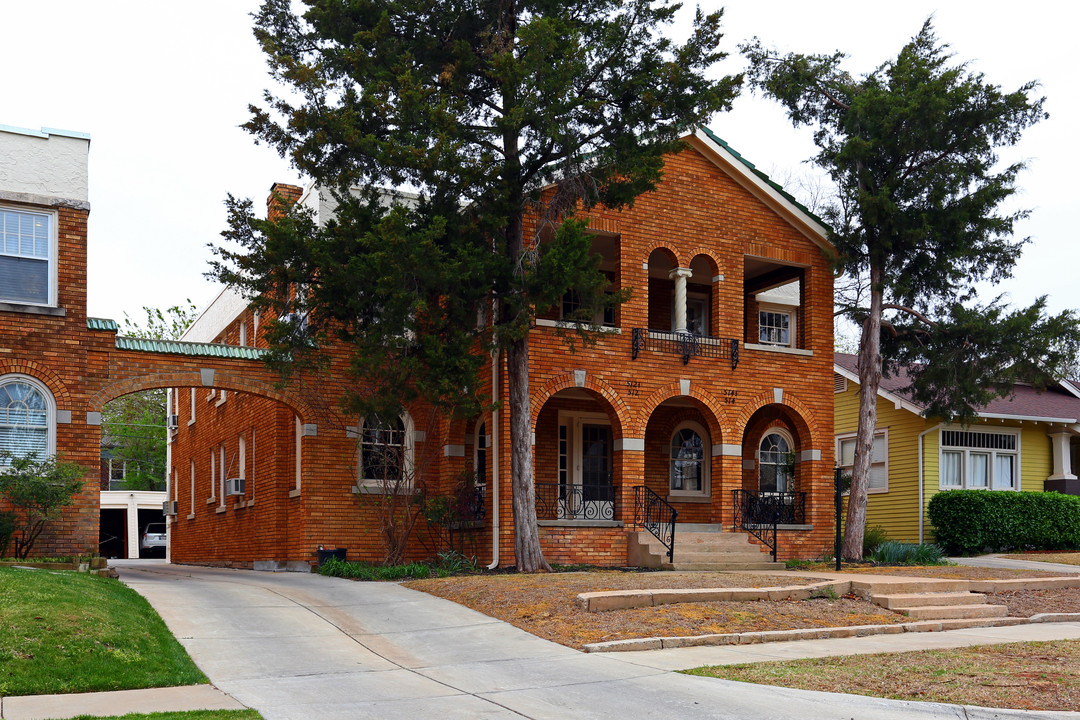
(686, 345)
(655, 514)
(758, 513)
(569, 501)
(474, 503)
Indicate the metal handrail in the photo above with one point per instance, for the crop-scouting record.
(759, 513)
(657, 515)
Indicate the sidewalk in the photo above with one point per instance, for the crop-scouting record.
(121, 702)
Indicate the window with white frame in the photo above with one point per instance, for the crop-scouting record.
(978, 460)
(27, 256)
(776, 325)
(688, 461)
(879, 460)
(117, 473)
(572, 306)
(27, 417)
(385, 451)
(776, 462)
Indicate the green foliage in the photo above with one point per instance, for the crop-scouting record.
(446, 564)
(38, 490)
(167, 324)
(872, 538)
(973, 521)
(8, 524)
(491, 111)
(891, 552)
(68, 632)
(828, 592)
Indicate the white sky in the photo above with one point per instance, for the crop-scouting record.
(162, 88)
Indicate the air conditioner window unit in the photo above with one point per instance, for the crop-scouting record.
(172, 422)
(234, 486)
(169, 507)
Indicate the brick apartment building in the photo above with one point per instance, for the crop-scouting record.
(709, 393)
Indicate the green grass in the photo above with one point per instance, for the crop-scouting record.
(68, 632)
(190, 715)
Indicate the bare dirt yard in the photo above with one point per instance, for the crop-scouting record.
(1064, 558)
(1023, 676)
(546, 605)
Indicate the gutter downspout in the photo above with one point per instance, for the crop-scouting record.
(494, 458)
(921, 507)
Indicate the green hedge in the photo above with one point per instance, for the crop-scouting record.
(973, 521)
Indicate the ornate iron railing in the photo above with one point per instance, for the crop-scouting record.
(569, 501)
(686, 345)
(474, 503)
(758, 513)
(655, 514)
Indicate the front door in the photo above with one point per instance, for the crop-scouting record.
(591, 495)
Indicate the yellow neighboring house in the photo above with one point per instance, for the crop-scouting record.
(1027, 442)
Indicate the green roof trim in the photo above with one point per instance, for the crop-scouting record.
(775, 186)
(101, 324)
(177, 347)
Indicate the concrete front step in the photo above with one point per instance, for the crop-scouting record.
(911, 600)
(899, 586)
(718, 566)
(952, 612)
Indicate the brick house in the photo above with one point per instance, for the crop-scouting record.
(707, 394)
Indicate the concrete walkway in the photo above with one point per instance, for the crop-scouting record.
(297, 646)
(304, 646)
(996, 561)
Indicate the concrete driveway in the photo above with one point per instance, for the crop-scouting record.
(296, 646)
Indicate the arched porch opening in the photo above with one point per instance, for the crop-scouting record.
(578, 446)
(773, 486)
(683, 464)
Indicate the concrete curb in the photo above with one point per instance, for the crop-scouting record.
(753, 638)
(624, 599)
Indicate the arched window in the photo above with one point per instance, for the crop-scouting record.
(689, 471)
(386, 452)
(776, 462)
(27, 417)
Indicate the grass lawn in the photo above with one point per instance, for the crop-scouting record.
(1063, 558)
(1024, 676)
(190, 715)
(67, 632)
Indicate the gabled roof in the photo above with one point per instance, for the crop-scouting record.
(761, 186)
(1060, 403)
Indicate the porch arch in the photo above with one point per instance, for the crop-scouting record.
(712, 409)
(588, 382)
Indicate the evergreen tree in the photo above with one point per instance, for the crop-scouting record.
(912, 149)
(497, 113)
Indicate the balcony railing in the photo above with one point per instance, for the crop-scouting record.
(759, 513)
(568, 501)
(687, 345)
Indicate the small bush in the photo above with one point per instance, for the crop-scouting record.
(891, 552)
(973, 521)
(872, 537)
(446, 564)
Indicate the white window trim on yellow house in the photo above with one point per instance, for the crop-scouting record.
(882, 461)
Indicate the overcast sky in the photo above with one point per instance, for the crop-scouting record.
(162, 88)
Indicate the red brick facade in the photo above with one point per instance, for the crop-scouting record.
(731, 233)
(708, 215)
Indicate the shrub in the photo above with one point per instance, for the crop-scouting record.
(872, 537)
(973, 521)
(892, 552)
(8, 523)
(446, 564)
(38, 490)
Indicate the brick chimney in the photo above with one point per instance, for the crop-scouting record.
(281, 193)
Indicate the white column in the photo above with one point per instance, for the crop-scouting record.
(679, 275)
(1062, 456)
(132, 526)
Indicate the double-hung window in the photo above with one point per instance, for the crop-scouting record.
(979, 460)
(27, 257)
(879, 460)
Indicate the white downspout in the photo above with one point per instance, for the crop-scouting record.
(494, 502)
(921, 435)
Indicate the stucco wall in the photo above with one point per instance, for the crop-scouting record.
(47, 163)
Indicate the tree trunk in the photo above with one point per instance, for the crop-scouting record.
(529, 556)
(869, 381)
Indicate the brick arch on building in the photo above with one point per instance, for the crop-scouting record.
(597, 387)
(711, 257)
(223, 380)
(711, 409)
(804, 427)
(670, 250)
(46, 376)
